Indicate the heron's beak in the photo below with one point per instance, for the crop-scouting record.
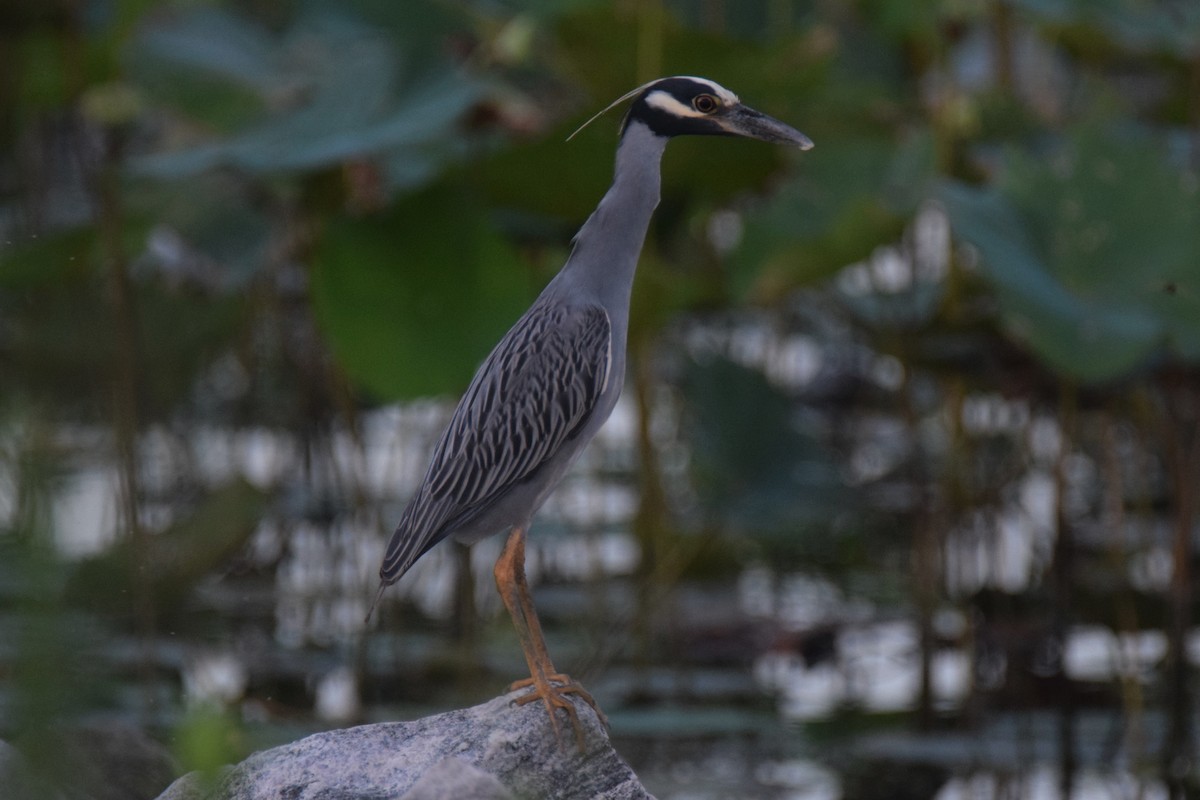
(745, 121)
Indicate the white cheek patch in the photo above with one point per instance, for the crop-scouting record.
(665, 101)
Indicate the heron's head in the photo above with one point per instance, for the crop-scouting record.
(682, 106)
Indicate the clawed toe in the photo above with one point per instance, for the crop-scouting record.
(552, 692)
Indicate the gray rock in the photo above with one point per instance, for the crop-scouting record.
(453, 779)
(93, 761)
(115, 761)
(494, 751)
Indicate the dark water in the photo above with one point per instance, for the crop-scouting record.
(758, 681)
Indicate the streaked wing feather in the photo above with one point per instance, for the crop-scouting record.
(536, 389)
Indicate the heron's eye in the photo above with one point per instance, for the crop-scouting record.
(705, 103)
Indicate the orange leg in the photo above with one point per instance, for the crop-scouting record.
(514, 591)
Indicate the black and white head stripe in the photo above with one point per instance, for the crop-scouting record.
(662, 103)
(677, 96)
(681, 105)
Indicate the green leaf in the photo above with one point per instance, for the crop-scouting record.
(758, 471)
(217, 42)
(338, 77)
(849, 196)
(410, 303)
(1093, 255)
(1136, 26)
(173, 561)
(47, 356)
(44, 82)
(205, 739)
(47, 258)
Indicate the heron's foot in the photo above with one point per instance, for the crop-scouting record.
(569, 686)
(552, 690)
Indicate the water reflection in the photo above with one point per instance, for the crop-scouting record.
(214, 677)
(337, 697)
(815, 650)
(1044, 782)
(755, 686)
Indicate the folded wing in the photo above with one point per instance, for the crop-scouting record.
(535, 391)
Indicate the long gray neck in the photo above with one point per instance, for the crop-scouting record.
(607, 247)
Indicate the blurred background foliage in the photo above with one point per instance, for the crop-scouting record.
(939, 378)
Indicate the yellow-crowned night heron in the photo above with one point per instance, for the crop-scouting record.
(554, 378)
